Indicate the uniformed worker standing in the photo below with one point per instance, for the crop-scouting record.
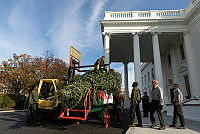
(156, 99)
(177, 101)
(99, 62)
(33, 103)
(135, 101)
(145, 104)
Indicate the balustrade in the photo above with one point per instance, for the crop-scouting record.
(152, 14)
(131, 15)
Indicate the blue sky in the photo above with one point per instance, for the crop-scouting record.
(34, 26)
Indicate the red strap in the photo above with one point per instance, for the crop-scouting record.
(101, 94)
(118, 98)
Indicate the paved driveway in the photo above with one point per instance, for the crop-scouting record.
(15, 123)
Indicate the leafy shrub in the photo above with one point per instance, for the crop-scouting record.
(7, 100)
(21, 101)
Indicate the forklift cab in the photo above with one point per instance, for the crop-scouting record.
(47, 93)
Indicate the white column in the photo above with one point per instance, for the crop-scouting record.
(166, 87)
(127, 103)
(194, 83)
(157, 59)
(174, 63)
(137, 64)
(107, 48)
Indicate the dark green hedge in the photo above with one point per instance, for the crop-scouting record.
(12, 100)
(7, 100)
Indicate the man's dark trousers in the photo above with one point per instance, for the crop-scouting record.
(178, 113)
(135, 109)
(155, 107)
(145, 107)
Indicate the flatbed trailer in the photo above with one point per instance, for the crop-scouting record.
(100, 104)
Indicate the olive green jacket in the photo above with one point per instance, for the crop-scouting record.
(33, 98)
(135, 95)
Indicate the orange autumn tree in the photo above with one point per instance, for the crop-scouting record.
(23, 70)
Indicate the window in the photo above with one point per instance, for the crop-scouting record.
(148, 77)
(169, 60)
(182, 52)
(152, 73)
(142, 81)
(170, 81)
(145, 79)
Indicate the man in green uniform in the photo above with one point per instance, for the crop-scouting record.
(177, 100)
(135, 108)
(33, 102)
(99, 62)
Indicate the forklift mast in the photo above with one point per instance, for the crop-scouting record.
(74, 63)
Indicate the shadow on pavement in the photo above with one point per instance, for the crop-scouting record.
(125, 120)
(15, 119)
(85, 127)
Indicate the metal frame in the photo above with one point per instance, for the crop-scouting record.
(86, 110)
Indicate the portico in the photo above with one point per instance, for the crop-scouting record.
(145, 37)
(139, 47)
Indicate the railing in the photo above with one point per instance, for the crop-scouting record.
(168, 13)
(153, 14)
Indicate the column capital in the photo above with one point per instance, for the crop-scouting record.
(106, 33)
(158, 33)
(185, 32)
(125, 62)
(136, 33)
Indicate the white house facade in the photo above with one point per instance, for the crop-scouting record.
(166, 41)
